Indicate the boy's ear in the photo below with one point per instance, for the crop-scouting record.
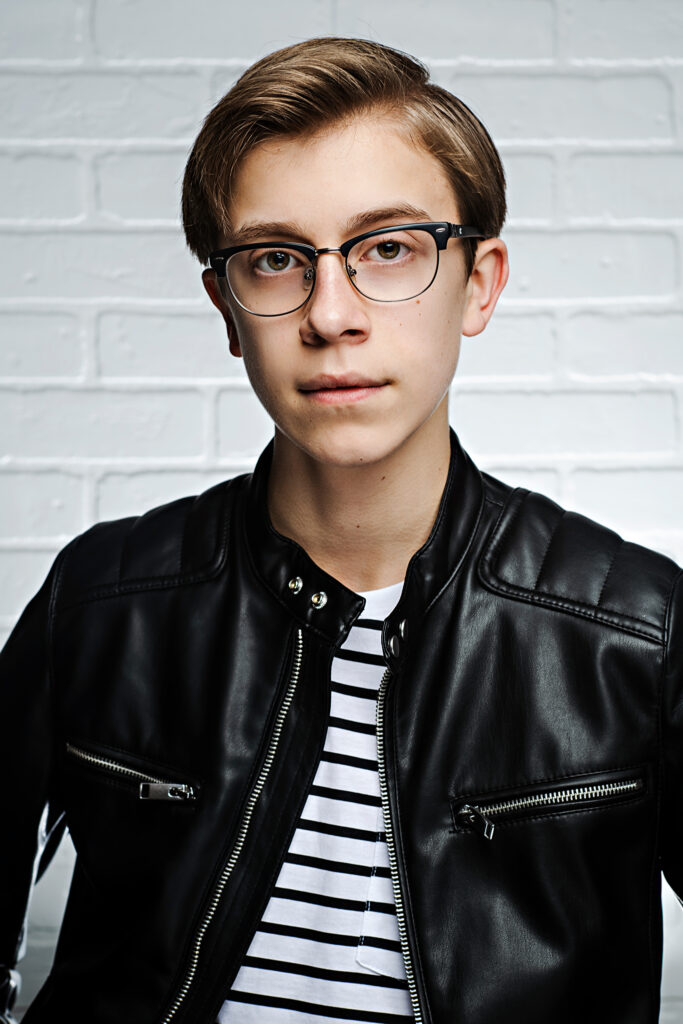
(487, 280)
(215, 293)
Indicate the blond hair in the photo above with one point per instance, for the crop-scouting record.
(312, 85)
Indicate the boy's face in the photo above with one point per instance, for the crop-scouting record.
(401, 356)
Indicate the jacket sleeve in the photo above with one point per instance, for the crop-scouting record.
(672, 740)
(26, 765)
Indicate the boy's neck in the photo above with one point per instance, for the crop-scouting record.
(362, 524)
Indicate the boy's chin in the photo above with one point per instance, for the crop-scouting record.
(350, 448)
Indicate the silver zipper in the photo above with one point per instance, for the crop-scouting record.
(391, 849)
(479, 815)
(242, 832)
(151, 788)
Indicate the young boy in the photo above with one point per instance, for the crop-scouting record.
(367, 735)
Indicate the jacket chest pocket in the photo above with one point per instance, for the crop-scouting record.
(145, 784)
(484, 813)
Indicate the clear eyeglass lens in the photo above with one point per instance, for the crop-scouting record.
(393, 266)
(270, 281)
(389, 267)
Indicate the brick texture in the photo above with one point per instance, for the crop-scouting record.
(117, 390)
(39, 344)
(626, 187)
(495, 30)
(600, 105)
(44, 30)
(95, 265)
(99, 104)
(40, 186)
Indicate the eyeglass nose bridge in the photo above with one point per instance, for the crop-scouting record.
(310, 272)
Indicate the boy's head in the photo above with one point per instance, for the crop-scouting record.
(314, 85)
(333, 180)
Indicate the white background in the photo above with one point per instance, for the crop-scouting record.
(116, 388)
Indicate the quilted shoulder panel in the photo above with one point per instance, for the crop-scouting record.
(542, 553)
(177, 542)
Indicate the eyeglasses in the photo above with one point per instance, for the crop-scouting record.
(386, 265)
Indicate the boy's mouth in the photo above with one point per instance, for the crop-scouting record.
(349, 387)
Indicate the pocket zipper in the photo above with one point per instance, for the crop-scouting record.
(480, 816)
(151, 787)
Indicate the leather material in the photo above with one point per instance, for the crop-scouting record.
(532, 652)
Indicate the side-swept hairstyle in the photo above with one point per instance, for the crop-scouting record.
(309, 86)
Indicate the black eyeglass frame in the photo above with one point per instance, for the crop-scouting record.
(441, 231)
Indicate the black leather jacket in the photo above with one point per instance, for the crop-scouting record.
(167, 691)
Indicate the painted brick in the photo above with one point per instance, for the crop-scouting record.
(52, 423)
(542, 423)
(39, 345)
(591, 264)
(149, 345)
(598, 344)
(216, 29)
(40, 186)
(45, 914)
(511, 346)
(129, 494)
(36, 964)
(21, 575)
(601, 106)
(531, 186)
(672, 980)
(97, 264)
(669, 544)
(622, 29)
(543, 481)
(43, 29)
(244, 427)
(140, 186)
(103, 104)
(499, 29)
(639, 498)
(675, 76)
(40, 504)
(222, 80)
(48, 902)
(626, 186)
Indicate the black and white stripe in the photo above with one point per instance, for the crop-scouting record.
(328, 948)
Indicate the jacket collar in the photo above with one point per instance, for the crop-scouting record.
(321, 603)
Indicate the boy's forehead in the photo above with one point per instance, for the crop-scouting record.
(326, 179)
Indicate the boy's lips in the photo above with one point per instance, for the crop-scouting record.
(331, 389)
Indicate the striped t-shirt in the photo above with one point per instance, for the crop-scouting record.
(327, 950)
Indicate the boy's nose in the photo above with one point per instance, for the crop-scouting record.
(335, 311)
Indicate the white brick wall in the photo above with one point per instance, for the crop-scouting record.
(116, 388)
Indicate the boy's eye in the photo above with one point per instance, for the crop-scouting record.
(382, 250)
(388, 250)
(274, 260)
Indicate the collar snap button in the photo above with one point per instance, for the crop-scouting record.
(403, 628)
(394, 646)
(295, 584)
(319, 600)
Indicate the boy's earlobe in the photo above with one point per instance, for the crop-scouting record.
(214, 292)
(487, 280)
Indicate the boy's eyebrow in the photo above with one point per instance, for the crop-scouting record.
(357, 224)
(265, 230)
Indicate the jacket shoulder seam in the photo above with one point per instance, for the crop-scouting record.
(595, 613)
(118, 588)
(603, 616)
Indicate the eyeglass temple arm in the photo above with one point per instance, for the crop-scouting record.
(463, 231)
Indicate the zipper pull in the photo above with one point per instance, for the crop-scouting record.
(166, 791)
(473, 816)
